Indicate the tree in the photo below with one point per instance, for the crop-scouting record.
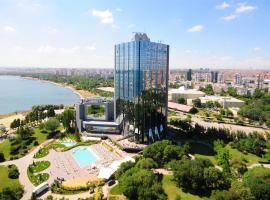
(181, 100)
(13, 172)
(50, 112)
(189, 174)
(68, 118)
(197, 103)
(15, 123)
(2, 157)
(141, 184)
(173, 152)
(257, 179)
(123, 168)
(208, 90)
(215, 179)
(193, 110)
(146, 163)
(223, 158)
(239, 166)
(25, 133)
(52, 124)
(156, 151)
(236, 192)
(232, 91)
(14, 193)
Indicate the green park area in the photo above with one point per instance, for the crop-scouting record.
(5, 180)
(33, 172)
(173, 192)
(15, 148)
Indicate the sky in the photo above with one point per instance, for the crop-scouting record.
(82, 33)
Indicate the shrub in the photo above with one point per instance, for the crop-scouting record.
(13, 172)
(2, 157)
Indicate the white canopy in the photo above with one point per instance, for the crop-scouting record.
(106, 172)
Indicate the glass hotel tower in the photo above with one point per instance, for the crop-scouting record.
(141, 88)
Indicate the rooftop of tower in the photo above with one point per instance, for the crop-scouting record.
(140, 37)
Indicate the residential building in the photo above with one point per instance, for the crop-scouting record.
(141, 88)
(225, 102)
(238, 79)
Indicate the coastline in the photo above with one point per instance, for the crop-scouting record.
(83, 94)
(7, 118)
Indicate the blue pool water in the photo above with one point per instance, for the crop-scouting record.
(68, 143)
(84, 156)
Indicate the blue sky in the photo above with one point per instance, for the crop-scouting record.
(81, 33)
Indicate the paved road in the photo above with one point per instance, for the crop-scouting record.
(22, 165)
(233, 127)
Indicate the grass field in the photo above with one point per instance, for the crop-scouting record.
(173, 191)
(37, 179)
(41, 153)
(250, 158)
(6, 145)
(39, 166)
(200, 150)
(116, 190)
(5, 181)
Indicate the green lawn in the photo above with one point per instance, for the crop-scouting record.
(38, 179)
(39, 166)
(116, 190)
(173, 191)
(5, 148)
(33, 169)
(42, 153)
(250, 158)
(200, 150)
(6, 145)
(5, 181)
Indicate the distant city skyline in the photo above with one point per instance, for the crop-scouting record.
(213, 34)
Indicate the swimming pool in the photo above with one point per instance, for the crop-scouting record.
(84, 156)
(68, 143)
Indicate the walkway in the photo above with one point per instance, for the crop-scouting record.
(22, 164)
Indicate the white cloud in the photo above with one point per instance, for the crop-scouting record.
(188, 51)
(46, 49)
(245, 8)
(230, 17)
(119, 9)
(115, 27)
(197, 28)
(91, 48)
(131, 25)
(52, 30)
(223, 6)
(9, 29)
(105, 16)
(256, 49)
(18, 48)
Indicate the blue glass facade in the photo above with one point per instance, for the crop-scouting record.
(141, 87)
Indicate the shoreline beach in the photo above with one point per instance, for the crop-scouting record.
(81, 93)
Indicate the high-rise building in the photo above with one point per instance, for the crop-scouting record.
(141, 88)
(214, 76)
(189, 75)
(238, 79)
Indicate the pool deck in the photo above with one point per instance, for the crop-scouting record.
(64, 165)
